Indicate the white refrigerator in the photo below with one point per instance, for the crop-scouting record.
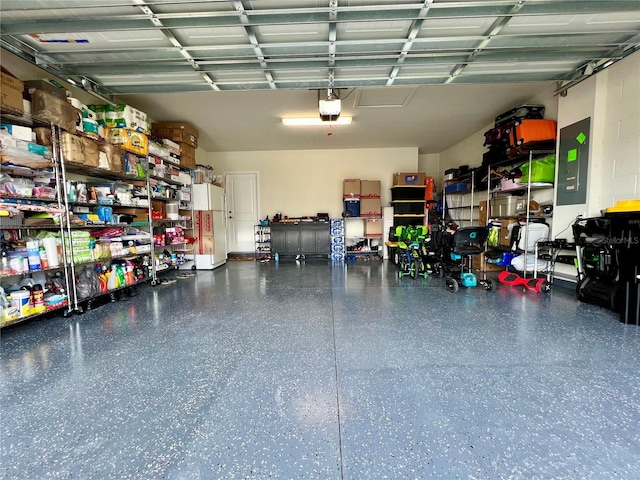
(210, 226)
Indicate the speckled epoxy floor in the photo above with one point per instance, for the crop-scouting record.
(310, 370)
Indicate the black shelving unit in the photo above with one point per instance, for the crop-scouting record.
(262, 235)
(408, 203)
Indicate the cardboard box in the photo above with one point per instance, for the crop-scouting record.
(33, 85)
(10, 81)
(18, 132)
(204, 232)
(370, 207)
(351, 188)
(484, 213)
(370, 189)
(11, 98)
(80, 150)
(11, 91)
(404, 178)
(373, 227)
(187, 155)
(204, 223)
(115, 158)
(505, 237)
(477, 262)
(138, 214)
(176, 131)
(49, 108)
(206, 245)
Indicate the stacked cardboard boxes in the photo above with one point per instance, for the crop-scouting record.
(184, 134)
(370, 205)
(362, 197)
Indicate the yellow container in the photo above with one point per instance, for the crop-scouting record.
(21, 301)
(625, 206)
(9, 314)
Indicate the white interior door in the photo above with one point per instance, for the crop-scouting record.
(242, 210)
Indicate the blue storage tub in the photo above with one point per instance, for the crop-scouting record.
(456, 187)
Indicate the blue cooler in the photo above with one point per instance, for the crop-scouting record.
(351, 207)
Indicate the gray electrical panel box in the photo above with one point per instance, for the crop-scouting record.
(573, 164)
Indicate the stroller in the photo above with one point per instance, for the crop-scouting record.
(467, 241)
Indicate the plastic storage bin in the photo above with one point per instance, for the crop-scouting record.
(542, 171)
(508, 206)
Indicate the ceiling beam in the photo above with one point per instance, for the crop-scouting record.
(493, 31)
(255, 44)
(146, 9)
(415, 28)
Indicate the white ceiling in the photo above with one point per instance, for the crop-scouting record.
(422, 73)
(434, 118)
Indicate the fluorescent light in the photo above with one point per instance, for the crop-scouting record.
(315, 121)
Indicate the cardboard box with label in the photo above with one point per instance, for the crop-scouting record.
(204, 222)
(11, 91)
(404, 178)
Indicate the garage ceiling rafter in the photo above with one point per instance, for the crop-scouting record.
(137, 46)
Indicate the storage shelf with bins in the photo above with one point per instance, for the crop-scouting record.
(460, 199)
(43, 263)
(73, 262)
(408, 203)
(262, 235)
(507, 206)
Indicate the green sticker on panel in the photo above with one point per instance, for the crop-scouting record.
(572, 155)
(581, 138)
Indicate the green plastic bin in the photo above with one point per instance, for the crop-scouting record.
(542, 170)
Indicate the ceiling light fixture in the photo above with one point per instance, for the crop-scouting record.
(315, 121)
